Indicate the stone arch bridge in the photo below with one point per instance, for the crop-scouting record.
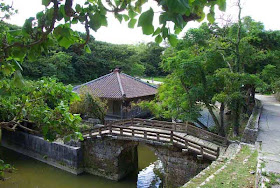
(184, 149)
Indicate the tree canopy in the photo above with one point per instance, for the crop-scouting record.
(204, 72)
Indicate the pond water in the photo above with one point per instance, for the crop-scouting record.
(31, 173)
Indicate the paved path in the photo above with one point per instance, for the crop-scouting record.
(269, 134)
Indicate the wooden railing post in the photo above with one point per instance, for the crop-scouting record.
(158, 137)
(90, 132)
(145, 134)
(121, 131)
(132, 132)
(174, 126)
(186, 144)
(110, 129)
(201, 150)
(99, 131)
(218, 152)
(171, 136)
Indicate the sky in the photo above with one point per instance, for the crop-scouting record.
(266, 12)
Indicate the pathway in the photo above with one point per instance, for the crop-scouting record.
(269, 133)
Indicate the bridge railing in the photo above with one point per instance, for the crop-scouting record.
(178, 127)
(155, 135)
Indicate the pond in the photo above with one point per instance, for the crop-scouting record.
(31, 173)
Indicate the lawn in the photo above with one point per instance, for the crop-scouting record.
(239, 173)
(159, 78)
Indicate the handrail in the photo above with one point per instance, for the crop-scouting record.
(178, 127)
(155, 135)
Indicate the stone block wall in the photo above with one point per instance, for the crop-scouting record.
(112, 159)
(251, 131)
(179, 167)
(62, 156)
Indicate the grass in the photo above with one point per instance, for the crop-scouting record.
(238, 173)
(159, 79)
(230, 134)
(273, 179)
(198, 180)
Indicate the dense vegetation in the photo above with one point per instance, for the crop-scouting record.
(40, 107)
(51, 27)
(89, 105)
(73, 65)
(219, 65)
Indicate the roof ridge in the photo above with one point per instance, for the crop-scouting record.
(139, 80)
(120, 84)
(104, 76)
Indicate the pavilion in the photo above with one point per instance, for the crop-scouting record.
(120, 90)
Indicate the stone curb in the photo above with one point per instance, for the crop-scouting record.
(250, 134)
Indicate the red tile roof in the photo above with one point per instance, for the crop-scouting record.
(117, 85)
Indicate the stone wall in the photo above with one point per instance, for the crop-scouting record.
(62, 156)
(107, 157)
(250, 133)
(112, 159)
(179, 167)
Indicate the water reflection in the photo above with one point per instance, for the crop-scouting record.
(151, 176)
(31, 173)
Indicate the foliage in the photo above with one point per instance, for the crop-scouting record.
(41, 32)
(75, 66)
(57, 65)
(191, 84)
(40, 107)
(4, 168)
(89, 105)
(203, 70)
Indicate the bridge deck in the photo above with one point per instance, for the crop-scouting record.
(165, 135)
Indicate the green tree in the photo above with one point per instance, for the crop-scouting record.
(191, 84)
(38, 33)
(89, 105)
(41, 107)
(57, 65)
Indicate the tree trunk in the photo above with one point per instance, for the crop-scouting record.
(222, 124)
(236, 119)
(238, 64)
(253, 93)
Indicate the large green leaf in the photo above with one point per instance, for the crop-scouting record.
(173, 40)
(146, 22)
(132, 23)
(131, 13)
(178, 6)
(211, 17)
(222, 4)
(65, 42)
(158, 39)
(157, 31)
(46, 2)
(95, 21)
(87, 49)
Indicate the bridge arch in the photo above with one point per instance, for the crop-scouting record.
(111, 151)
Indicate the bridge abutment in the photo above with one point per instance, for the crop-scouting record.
(179, 167)
(112, 159)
